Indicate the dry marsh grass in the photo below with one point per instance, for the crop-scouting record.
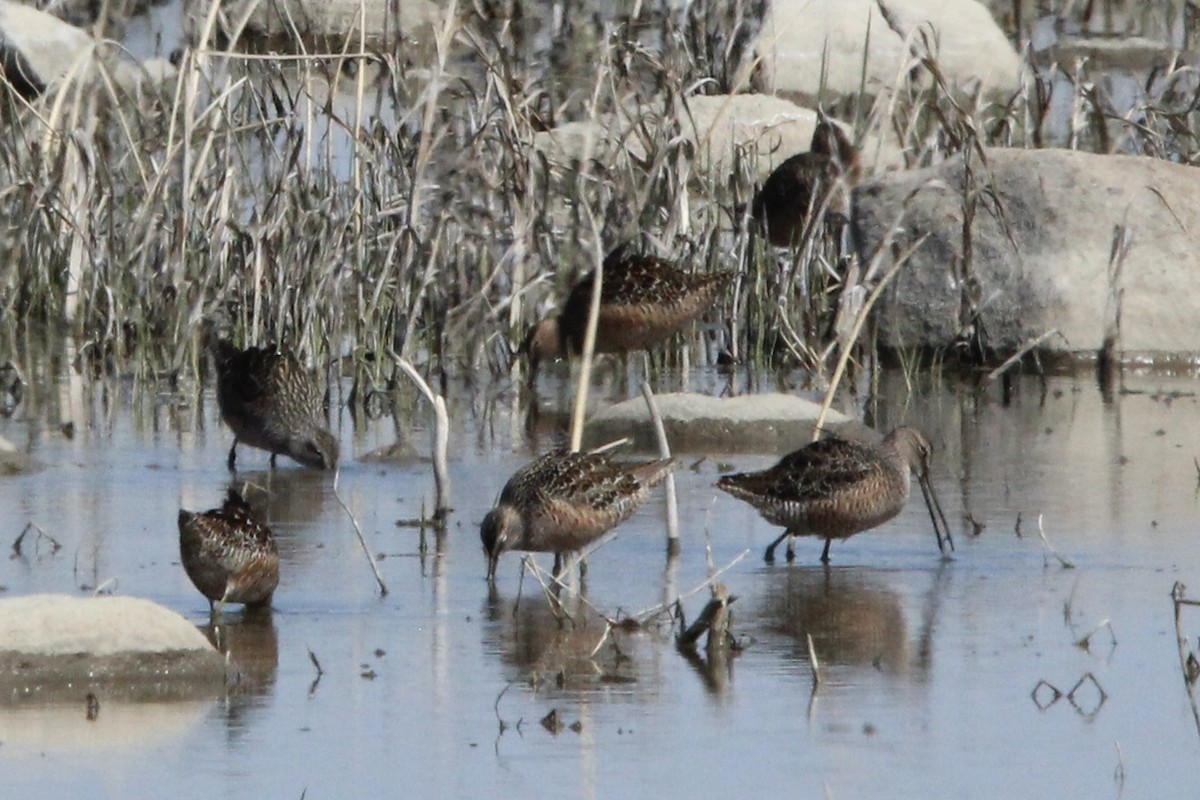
(358, 205)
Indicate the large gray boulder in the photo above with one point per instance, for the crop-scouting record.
(798, 36)
(57, 646)
(697, 423)
(1043, 238)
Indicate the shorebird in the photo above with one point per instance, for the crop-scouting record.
(643, 300)
(561, 502)
(229, 556)
(271, 402)
(835, 488)
(807, 182)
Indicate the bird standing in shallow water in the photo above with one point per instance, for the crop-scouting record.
(229, 556)
(835, 488)
(271, 402)
(643, 300)
(804, 183)
(561, 502)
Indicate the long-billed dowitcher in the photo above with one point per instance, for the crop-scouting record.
(271, 402)
(643, 300)
(807, 181)
(230, 556)
(835, 488)
(561, 502)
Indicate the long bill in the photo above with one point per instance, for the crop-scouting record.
(931, 503)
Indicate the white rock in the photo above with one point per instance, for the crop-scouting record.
(52, 641)
(696, 423)
(765, 128)
(53, 53)
(51, 49)
(377, 21)
(1060, 209)
(799, 36)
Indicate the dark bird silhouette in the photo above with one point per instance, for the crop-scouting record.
(561, 502)
(229, 556)
(271, 402)
(806, 182)
(835, 488)
(643, 300)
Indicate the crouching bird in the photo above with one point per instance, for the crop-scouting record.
(229, 556)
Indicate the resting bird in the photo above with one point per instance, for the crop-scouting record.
(271, 402)
(835, 488)
(561, 502)
(643, 300)
(229, 556)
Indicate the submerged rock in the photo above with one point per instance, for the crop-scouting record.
(57, 646)
(14, 462)
(697, 423)
(1043, 237)
(815, 48)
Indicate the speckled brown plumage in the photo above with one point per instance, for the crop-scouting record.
(800, 186)
(229, 556)
(271, 402)
(643, 300)
(561, 502)
(835, 488)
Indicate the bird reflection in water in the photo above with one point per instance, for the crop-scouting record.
(250, 644)
(541, 649)
(854, 617)
(285, 496)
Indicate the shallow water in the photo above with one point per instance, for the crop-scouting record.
(928, 665)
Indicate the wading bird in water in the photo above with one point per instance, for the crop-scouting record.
(229, 556)
(835, 488)
(561, 502)
(643, 300)
(271, 402)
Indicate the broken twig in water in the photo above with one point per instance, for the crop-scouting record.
(41, 534)
(1085, 642)
(664, 451)
(1189, 665)
(813, 662)
(312, 687)
(1047, 548)
(1024, 350)
(441, 438)
(653, 611)
(713, 619)
(358, 532)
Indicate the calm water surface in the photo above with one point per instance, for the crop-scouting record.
(929, 664)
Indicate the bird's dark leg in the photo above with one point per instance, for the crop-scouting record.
(272, 461)
(558, 565)
(769, 557)
(825, 552)
(231, 462)
(791, 548)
